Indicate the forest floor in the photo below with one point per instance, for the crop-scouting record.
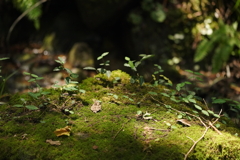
(106, 119)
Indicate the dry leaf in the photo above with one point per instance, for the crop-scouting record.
(96, 106)
(63, 131)
(184, 121)
(24, 136)
(57, 143)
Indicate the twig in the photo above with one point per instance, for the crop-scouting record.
(195, 142)
(21, 16)
(212, 124)
(207, 127)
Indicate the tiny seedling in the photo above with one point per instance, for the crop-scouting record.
(24, 104)
(3, 80)
(70, 83)
(34, 78)
(133, 65)
(104, 64)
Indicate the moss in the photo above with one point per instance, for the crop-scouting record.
(116, 132)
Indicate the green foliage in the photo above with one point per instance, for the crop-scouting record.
(133, 65)
(220, 45)
(104, 64)
(3, 80)
(24, 104)
(155, 10)
(69, 80)
(34, 14)
(33, 79)
(234, 105)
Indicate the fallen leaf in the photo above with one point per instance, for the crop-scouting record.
(57, 143)
(63, 131)
(96, 106)
(184, 121)
(95, 147)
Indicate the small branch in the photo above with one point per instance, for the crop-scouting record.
(214, 128)
(212, 124)
(204, 133)
(195, 143)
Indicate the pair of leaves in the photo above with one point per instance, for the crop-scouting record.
(30, 107)
(133, 65)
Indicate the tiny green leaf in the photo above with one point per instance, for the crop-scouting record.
(198, 107)
(34, 75)
(211, 112)
(26, 73)
(104, 54)
(31, 107)
(216, 115)
(179, 116)
(165, 94)
(127, 58)
(219, 101)
(205, 112)
(18, 105)
(217, 125)
(62, 60)
(1, 59)
(68, 70)
(89, 68)
(153, 93)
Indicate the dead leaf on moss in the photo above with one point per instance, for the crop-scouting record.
(63, 131)
(94, 147)
(57, 143)
(184, 122)
(96, 106)
(24, 136)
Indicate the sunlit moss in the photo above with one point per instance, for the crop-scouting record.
(116, 132)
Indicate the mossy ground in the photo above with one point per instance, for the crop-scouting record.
(113, 133)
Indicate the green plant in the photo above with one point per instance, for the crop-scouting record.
(24, 104)
(234, 105)
(163, 80)
(34, 14)
(222, 43)
(101, 70)
(155, 10)
(33, 79)
(133, 65)
(181, 93)
(69, 79)
(4, 80)
(35, 94)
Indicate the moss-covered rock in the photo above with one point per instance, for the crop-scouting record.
(119, 131)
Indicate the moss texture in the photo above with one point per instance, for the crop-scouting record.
(116, 132)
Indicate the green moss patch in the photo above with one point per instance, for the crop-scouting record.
(116, 132)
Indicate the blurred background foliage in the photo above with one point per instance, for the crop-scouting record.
(201, 35)
(33, 14)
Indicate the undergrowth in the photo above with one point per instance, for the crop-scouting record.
(134, 120)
